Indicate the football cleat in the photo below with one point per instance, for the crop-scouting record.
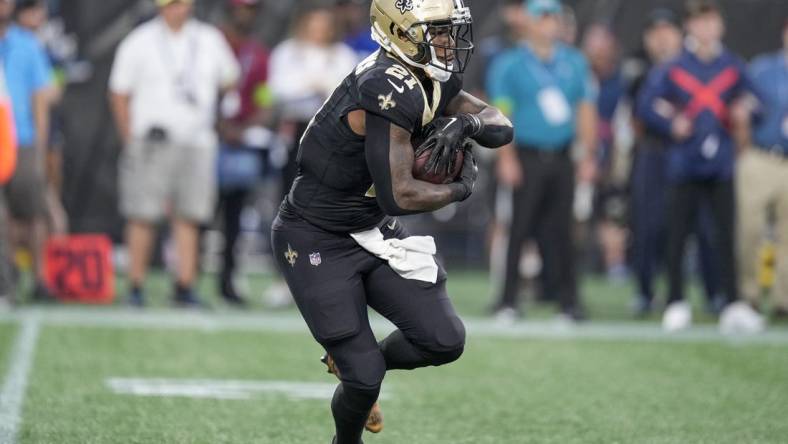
(375, 420)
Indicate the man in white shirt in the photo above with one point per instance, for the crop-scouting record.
(167, 77)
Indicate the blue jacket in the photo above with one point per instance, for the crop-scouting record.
(27, 71)
(703, 92)
(770, 76)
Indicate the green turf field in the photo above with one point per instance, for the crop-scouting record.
(7, 331)
(470, 291)
(502, 391)
(608, 382)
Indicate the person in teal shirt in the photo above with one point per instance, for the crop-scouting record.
(547, 89)
(28, 76)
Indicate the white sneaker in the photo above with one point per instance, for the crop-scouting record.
(740, 318)
(506, 317)
(677, 316)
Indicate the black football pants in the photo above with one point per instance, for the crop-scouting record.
(685, 200)
(333, 281)
(543, 203)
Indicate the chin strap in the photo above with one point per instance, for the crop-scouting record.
(436, 73)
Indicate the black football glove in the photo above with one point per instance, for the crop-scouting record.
(466, 182)
(446, 136)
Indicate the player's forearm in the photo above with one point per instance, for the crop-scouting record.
(120, 111)
(390, 159)
(415, 196)
(410, 195)
(486, 124)
(496, 129)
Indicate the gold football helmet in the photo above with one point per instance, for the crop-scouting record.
(433, 35)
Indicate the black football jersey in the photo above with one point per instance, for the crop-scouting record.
(334, 189)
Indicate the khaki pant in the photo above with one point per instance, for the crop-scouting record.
(156, 178)
(762, 181)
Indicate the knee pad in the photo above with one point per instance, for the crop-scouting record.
(447, 343)
(366, 372)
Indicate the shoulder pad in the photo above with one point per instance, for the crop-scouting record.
(392, 92)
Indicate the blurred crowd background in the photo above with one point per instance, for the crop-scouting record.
(99, 150)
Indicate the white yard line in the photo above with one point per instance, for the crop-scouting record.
(12, 395)
(229, 389)
(115, 317)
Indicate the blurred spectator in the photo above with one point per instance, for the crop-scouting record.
(568, 25)
(243, 132)
(32, 15)
(6, 279)
(305, 70)
(28, 79)
(602, 50)
(662, 41)
(165, 82)
(353, 17)
(762, 181)
(8, 151)
(689, 100)
(547, 88)
(506, 28)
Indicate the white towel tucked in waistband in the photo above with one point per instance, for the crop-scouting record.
(411, 258)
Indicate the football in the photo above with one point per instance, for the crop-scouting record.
(440, 178)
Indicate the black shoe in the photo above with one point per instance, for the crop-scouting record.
(186, 298)
(230, 295)
(576, 314)
(42, 295)
(780, 315)
(136, 298)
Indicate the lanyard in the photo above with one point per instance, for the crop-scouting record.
(184, 79)
(543, 76)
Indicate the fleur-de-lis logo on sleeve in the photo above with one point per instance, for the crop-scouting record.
(387, 102)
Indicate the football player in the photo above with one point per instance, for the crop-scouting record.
(337, 239)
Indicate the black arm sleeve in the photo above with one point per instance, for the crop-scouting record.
(495, 136)
(377, 148)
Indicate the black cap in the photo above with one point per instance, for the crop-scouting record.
(662, 16)
(21, 5)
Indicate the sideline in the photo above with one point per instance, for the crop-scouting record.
(291, 323)
(20, 361)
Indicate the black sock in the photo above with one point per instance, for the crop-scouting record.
(351, 407)
(181, 289)
(401, 354)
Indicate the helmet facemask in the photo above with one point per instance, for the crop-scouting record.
(446, 46)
